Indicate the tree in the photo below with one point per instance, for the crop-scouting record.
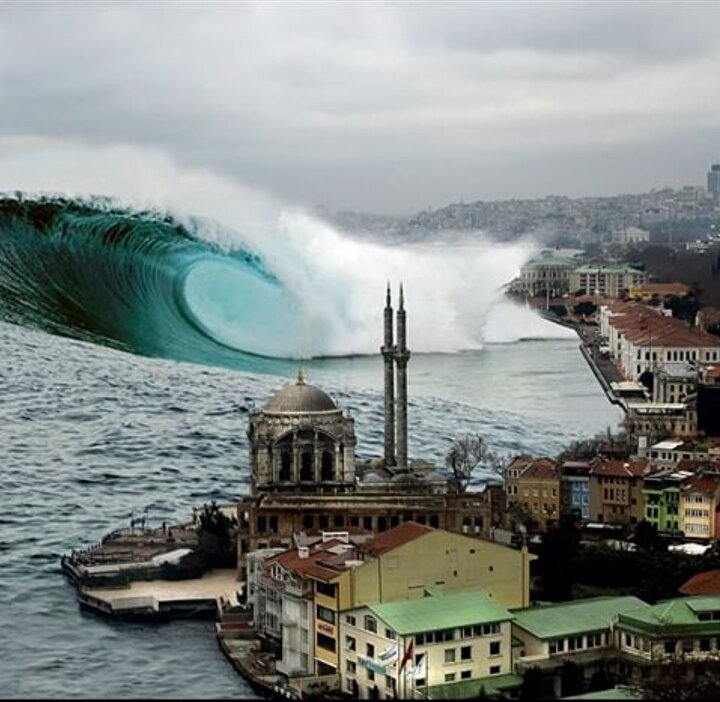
(585, 308)
(681, 679)
(571, 679)
(216, 537)
(646, 537)
(465, 455)
(557, 559)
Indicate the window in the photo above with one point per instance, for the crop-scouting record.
(350, 619)
(370, 624)
(370, 650)
(285, 465)
(575, 643)
(449, 677)
(350, 643)
(704, 644)
(495, 670)
(670, 646)
(390, 634)
(326, 642)
(465, 674)
(494, 648)
(327, 589)
(350, 667)
(308, 521)
(327, 615)
(449, 655)
(466, 653)
(370, 674)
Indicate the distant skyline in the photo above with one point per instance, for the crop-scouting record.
(377, 107)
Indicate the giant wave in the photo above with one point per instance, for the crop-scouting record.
(183, 264)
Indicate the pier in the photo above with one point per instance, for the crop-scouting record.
(164, 599)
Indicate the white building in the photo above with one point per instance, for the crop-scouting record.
(399, 649)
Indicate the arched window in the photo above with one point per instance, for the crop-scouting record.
(306, 466)
(327, 467)
(285, 465)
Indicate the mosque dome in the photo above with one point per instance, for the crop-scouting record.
(300, 398)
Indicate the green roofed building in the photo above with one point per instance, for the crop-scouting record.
(687, 627)
(606, 279)
(445, 645)
(549, 636)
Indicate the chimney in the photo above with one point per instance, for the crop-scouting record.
(303, 552)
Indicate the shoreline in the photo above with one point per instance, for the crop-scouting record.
(600, 367)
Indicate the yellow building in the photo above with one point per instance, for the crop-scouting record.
(699, 500)
(402, 562)
(534, 484)
(399, 564)
(445, 644)
(648, 291)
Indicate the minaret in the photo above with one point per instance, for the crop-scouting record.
(402, 356)
(388, 352)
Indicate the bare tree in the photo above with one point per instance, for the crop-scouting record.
(465, 455)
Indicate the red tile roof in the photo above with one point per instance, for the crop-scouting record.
(542, 469)
(706, 583)
(707, 484)
(644, 326)
(397, 536)
(620, 469)
(319, 562)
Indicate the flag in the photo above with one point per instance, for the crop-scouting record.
(420, 669)
(407, 656)
(389, 653)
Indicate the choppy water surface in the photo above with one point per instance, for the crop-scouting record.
(89, 434)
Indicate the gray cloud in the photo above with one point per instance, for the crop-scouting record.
(379, 106)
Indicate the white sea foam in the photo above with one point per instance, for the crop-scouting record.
(335, 284)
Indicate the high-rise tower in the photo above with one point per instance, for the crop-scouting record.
(713, 180)
(402, 356)
(388, 352)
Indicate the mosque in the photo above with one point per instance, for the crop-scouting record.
(305, 476)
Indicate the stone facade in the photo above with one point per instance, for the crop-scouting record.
(300, 440)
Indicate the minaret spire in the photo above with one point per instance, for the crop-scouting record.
(402, 356)
(388, 352)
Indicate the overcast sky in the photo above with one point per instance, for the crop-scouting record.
(380, 107)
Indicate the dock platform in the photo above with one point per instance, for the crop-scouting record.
(165, 599)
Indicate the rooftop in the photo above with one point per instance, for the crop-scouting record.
(448, 610)
(570, 618)
(680, 612)
(468, 689)
(620, 692)
(705, 583)
(542, 469)
(300, 398)
(620, 469)
(397, 536)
